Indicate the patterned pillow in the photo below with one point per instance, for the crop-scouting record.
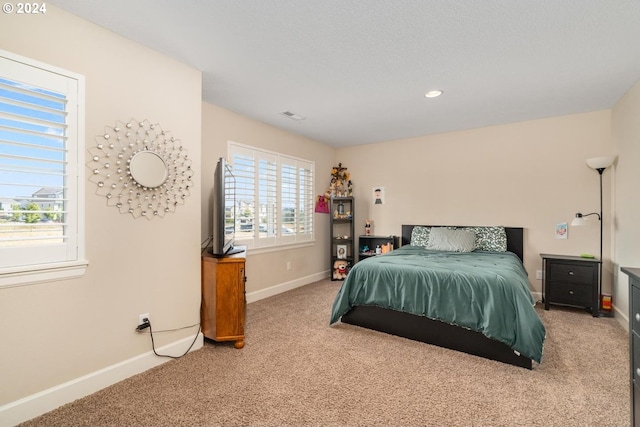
(445, 239)
(490, 239)
(420, 236)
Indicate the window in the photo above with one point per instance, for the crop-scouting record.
(41, 171)
(274, 197)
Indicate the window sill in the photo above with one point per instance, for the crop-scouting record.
(278, 248)
(30, 275)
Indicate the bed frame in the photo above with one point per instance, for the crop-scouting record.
(439, 333)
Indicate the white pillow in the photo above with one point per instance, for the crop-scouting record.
(444, 239)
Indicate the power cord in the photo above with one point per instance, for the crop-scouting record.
(205, 243)
(147, 324)
(140, 328)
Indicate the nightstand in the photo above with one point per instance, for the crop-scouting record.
(571, 280)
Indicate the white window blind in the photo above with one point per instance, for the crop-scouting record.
(40, 164)
(306, 200)
(297, 198)
(274, 197)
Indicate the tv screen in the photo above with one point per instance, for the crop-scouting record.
(224, 210)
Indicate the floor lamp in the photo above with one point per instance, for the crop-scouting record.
(599, 164)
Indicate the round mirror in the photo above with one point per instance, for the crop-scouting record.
(148, 169)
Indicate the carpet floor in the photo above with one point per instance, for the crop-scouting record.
(296, 370)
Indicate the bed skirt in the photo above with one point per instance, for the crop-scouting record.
(434, 332)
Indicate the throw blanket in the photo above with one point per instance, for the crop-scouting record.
(487, 292)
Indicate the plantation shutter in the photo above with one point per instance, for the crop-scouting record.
(306, 201)
(274, 197)
(39, 161)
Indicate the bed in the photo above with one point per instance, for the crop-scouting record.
(476, 301)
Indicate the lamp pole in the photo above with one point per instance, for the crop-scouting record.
(600, 171)
(600, 164)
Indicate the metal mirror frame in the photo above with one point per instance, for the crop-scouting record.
(117, 165)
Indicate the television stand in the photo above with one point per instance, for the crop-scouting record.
(223, 297)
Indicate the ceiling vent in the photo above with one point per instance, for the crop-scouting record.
(292, 116)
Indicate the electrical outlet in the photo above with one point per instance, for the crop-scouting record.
(539, 274)
(141, 318)
(288, 265)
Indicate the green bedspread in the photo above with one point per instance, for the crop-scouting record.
(486, 292)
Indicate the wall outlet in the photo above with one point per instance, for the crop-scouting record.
(288, 265)
(141, 318)
(539, 274)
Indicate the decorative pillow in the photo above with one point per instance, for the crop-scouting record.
(420, 236)
(444, 239)
(490, 239)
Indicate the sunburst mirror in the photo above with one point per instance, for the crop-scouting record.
(140, 169)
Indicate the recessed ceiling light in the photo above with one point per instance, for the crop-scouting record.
(433, 93)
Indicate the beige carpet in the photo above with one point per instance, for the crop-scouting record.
(296, 370)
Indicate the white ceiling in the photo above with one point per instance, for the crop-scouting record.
(357, 70)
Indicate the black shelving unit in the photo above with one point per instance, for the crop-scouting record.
(342, 235)
(367, 245)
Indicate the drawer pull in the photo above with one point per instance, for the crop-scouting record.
(570, 273)
(637, 317)
(570, 292)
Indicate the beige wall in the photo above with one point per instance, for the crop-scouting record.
(530, 174)
(55, 332)
(626, 140)
(267, 269)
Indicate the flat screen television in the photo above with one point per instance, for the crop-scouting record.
(224, 211)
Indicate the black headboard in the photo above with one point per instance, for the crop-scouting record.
(515, 237)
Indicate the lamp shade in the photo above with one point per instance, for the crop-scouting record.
(578, 220)
(600, 162)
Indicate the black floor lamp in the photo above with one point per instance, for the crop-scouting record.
(599, 164)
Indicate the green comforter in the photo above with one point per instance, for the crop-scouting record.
(487, 292)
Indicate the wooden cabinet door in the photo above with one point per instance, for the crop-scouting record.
(230, 301)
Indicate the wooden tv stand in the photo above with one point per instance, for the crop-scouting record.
(223, 297)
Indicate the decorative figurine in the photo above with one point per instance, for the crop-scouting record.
(340, 181)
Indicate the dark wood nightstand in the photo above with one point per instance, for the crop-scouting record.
(571, 280)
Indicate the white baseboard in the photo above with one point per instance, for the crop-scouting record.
(39, 403)
(537, 296)
(621, 317)
(47, 400)
(287, 286)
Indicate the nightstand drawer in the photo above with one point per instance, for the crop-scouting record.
(569, 293)
(635, 309)
(570, 273)
(635, 352)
